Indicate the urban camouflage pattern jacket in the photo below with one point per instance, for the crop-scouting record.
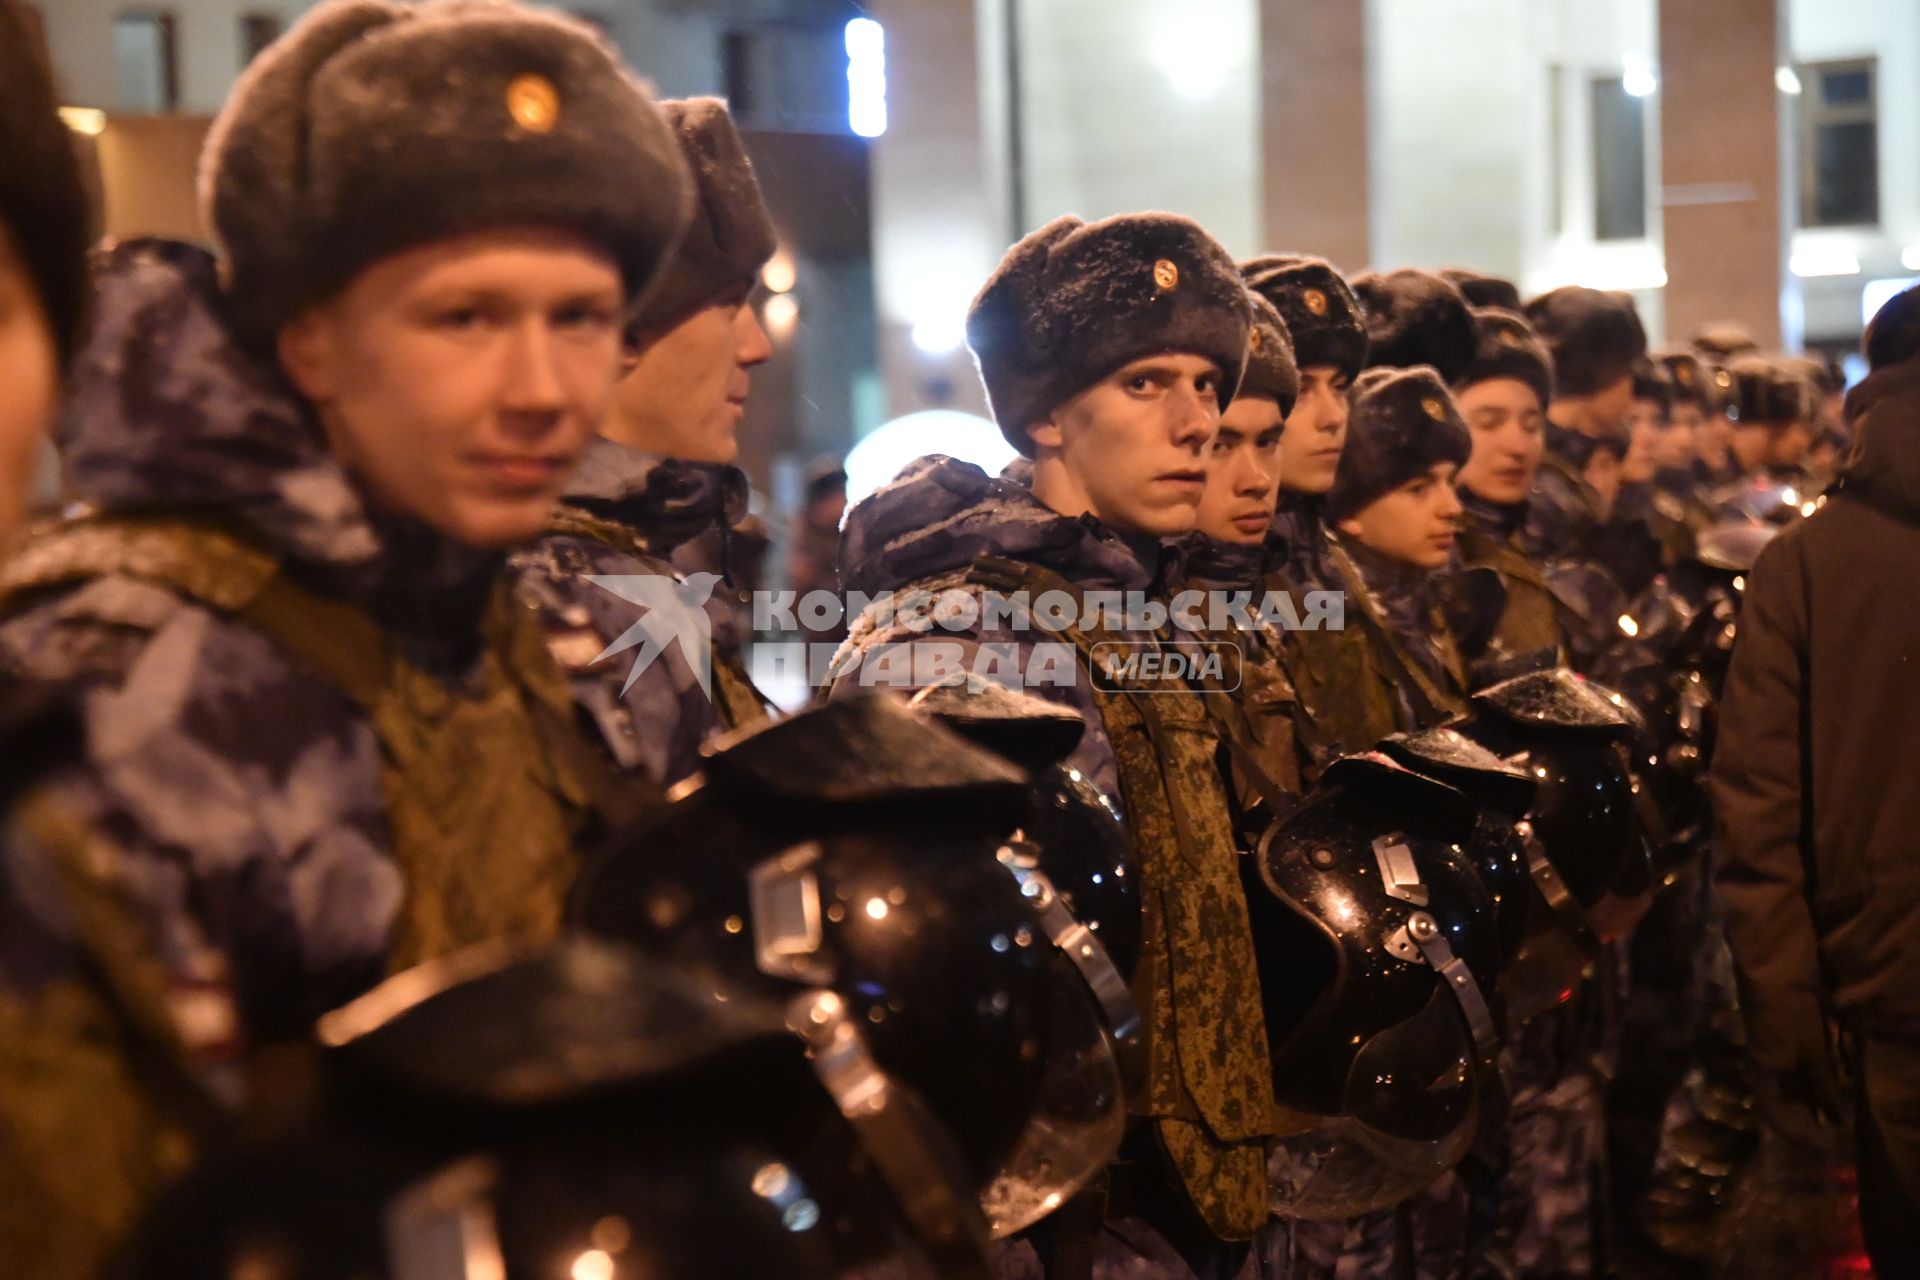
(249, 796)
(624, 514)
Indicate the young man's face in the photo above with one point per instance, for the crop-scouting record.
(1674, 449)
(687, 386)
(1131, 448)
(460, 381)
(1750, 443)
(29, 382)
(1644, 426)
(1414, 524)
(1787, 445)
(1715, 441)
(1316, 430)
(1243, 473)
(1509, 435)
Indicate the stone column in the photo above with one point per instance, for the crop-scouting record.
(1314, 126)
(1720, 160)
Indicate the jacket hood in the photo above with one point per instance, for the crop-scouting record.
(1884, 412)
(167, 412)
(668, 500)
(940, 515)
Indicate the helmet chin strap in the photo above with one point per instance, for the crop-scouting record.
(1088, 955)
(1422, 935)
(908, 1148)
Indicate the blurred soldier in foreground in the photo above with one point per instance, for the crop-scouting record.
(322, 738)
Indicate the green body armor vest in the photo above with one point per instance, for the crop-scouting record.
(1210, 1086)
(487, 784)
(1531, 618)
(739, 703)
(1346, 700)
(1433, 701)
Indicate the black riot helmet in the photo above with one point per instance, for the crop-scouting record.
(1547, 941)
(1074, 863)
(1377, 945)
(1502, 794)
(1573, 737)
(586, 1111)
(854, 848)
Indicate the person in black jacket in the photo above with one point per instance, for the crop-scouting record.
(1812, 784)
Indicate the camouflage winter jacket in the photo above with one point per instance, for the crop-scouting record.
(1400, 610)
(655, 698)
(98, 1105)
(948, 532)
(1346, 700)
(288, 835)
(1523, 618)
(1263, 709)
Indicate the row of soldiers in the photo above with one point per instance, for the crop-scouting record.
(364, 915)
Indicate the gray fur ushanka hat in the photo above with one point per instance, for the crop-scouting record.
(1414, 318)
(1321, 314)
(1506, 347)
(730, 237)
(1271, 371)
(1076, 300)
(374, 127)
(1595, 338)
(1483, 290)
(1404, 423)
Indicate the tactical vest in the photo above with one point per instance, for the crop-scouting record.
(1346, 700)
(734, 695)
(1531, 619)
(488, 784)
(1258, 718)
(1210, 1087)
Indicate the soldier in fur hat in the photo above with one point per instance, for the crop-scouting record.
(325, 739)
(660, 474)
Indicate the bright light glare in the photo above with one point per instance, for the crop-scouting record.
(1910, 257)
(781, 312)
(594, 1264)
(866, 78)
(779, 275)
(880, 455)
(1786, 80)
(88, 120)
(1636, 76)
(939, 335)
(1875, 294)
(1811, 263)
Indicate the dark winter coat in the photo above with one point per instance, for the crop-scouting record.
(1818, 862)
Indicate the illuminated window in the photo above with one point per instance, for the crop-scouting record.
(146, 63)
(1839, 144)
(1619, 160)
